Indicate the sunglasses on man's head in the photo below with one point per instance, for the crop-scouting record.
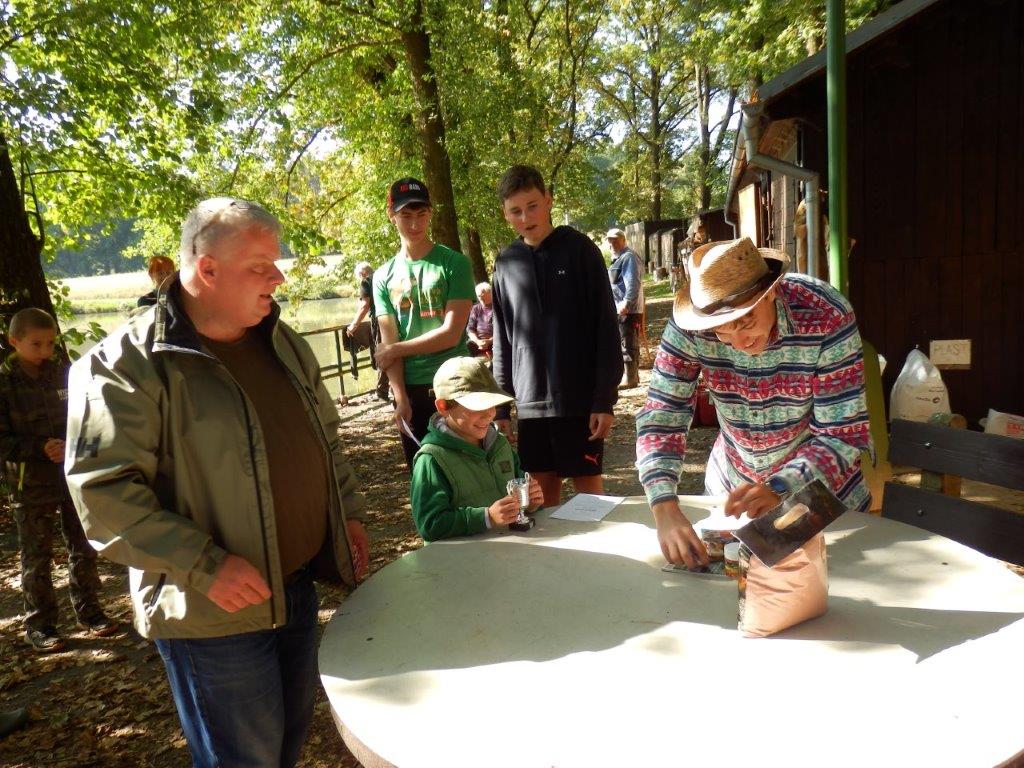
(242, 205)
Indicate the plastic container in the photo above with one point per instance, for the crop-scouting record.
(732, 559)
(715, 541)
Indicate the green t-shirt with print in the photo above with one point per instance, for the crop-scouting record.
(415, 294)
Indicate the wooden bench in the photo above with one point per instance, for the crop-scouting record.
(989, 459)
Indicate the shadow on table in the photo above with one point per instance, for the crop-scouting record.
(460, 604)
(863, 622)
(455, 607)
(922, 631)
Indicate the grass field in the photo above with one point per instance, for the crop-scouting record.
(117, 293)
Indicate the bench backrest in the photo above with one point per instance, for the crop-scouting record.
(993, 459)
(987, 458)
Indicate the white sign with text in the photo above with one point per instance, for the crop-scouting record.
(949, 353)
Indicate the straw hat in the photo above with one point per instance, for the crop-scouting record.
(726, 280)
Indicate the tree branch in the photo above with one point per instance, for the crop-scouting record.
(534, 21)
(337, 201)
(28, 32)
(355, 10)
(724, 122)
(295, 162)
(81, 171)
(36, 208)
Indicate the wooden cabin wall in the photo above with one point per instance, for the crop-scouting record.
(936, 191)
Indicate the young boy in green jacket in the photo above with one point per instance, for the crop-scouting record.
(461, 471)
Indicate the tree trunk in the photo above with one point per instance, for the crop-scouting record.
(22, 283)
(703, 84)
(656, 145)
(506, 63)
(430, 127)
(475, 253)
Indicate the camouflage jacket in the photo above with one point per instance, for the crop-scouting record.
(31, 412)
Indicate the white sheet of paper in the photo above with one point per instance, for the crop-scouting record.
(587, 507)
(717, 521)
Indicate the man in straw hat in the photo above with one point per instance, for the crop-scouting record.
(782, 359)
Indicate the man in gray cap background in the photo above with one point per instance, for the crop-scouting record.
(625, 275)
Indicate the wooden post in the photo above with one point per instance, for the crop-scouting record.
(945, 483)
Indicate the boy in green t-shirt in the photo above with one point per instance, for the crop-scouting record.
(422, 297)
(461, 472)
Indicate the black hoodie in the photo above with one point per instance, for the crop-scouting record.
(556, 338)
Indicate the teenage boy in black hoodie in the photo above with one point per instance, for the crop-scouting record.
(556, 341)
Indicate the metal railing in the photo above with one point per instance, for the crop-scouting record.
(343, 361)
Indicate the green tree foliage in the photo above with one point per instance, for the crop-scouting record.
(331, 106)
(758, 39)
(103, 105)
(113, 110)
(645, 83)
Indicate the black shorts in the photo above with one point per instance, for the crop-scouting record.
(560, 445)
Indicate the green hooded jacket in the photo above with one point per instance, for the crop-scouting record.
(167, 466)
(454, 482)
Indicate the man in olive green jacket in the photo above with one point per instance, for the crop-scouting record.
(203, 453)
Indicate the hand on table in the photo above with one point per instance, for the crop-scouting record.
(679, 542)
(753, 499)
(54, 450)
(360, 542)
(600, 425)
(237, 585)
(505, 510)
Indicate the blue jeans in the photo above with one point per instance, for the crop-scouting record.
(247, 700)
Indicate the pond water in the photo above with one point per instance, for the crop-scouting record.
(306, 316)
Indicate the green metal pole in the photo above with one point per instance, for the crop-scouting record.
(838, 267)
(878, 471)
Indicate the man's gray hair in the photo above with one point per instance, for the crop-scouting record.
(481, 287)
(218, 217)
(361, 269)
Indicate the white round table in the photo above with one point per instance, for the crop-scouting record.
(569, 646)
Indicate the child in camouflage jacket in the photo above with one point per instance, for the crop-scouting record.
(33, 419)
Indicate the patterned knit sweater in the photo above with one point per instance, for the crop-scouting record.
(797, 411)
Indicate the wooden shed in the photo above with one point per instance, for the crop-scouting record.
(935, 184)
(642, 238)
(671, 240)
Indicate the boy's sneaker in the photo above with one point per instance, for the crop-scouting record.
(45, 640)
(99, 624)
